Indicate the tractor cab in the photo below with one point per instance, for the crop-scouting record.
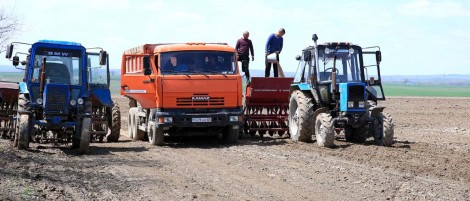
(340, 83)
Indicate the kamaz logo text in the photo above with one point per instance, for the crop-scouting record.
(201, 98)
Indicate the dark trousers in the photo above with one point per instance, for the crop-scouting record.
(245, 59)
(267, 71)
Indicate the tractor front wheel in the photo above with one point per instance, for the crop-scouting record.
(324, 130)
(384, 130)
(85, 136)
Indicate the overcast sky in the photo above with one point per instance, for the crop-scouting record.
(416, 36)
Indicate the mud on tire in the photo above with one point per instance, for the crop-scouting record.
(155, 135)
(301, 126)
(130, 122)
(23, 125)
(324, 130)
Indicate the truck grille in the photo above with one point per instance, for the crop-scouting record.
(56, 98)
(200, 100)
(356, 93)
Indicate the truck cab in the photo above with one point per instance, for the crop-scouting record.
(182, 89)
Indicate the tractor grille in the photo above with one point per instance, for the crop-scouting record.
(200, 100)
(56, 99)
(355, 93)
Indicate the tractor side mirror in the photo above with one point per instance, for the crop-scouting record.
(103, 58)
(378, 56)
(16, 60)
(297, 57)
(9, 52)
(315, 37)
(146, 62)
(307, 56)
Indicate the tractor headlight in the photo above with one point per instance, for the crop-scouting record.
(327, 51)
(167, 119)
(351, 51)
(361, 104)
(350, 104)
(233, 118)
(39, 101)
(80, 101)
(73, 102)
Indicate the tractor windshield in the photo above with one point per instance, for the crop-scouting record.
(97, 74)
(198, 62)
(347, 63)
(62, 66)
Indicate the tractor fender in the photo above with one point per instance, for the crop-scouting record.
(103, 95)
(319, 111)
(23, 88)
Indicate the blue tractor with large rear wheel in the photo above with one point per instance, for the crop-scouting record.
(64, 95)
(336, 89)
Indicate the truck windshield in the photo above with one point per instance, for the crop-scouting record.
(347, 63)
(62, 66)
(198, 62)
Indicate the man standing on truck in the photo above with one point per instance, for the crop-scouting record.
(274, 45)
(243, 48)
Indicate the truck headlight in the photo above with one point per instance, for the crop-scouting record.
(73, 102)
(167, 119)
(80, 101)
(39, 101)
(350, 104)
(361, 103)
(233, 118)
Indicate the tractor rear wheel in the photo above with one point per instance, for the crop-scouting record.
(23, 135)
(384, 131)
(155, 135)
(300, 117)
(23, 131)
(324, 130)
(85, 136)
(114, 124)
(130, 122)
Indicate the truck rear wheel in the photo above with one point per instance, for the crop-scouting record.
(230, 135)
(138, 134)
(85, 136)
(300, 117)
(324, 130)
(155, 135)
(384, 131)
(114, 124)
(130, 122)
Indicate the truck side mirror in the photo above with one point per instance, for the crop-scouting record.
(103, 58)
(146, 62)
(378, 56)
(16, 60)
(314, 37)
(297, 57)
(9, 51)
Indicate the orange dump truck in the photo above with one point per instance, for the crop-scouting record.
(182, 89)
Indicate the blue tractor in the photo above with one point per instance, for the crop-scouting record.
(336, 89)
(64, 95)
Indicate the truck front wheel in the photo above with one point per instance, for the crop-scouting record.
(155, 135)
(230, 135)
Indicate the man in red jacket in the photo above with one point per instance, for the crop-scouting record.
(244, 47)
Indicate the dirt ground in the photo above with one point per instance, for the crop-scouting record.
(429, 161)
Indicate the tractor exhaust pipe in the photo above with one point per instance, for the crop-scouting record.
(333, 77)
(42, 79)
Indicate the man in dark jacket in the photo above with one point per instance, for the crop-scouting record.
(274, 45)
(244, 47)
